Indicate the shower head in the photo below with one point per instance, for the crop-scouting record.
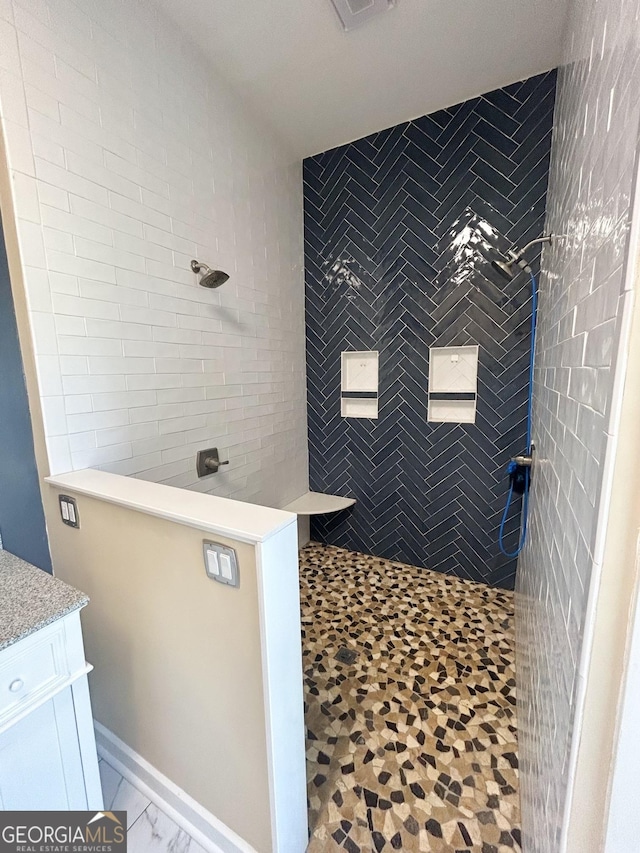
(505, 268)
(209, 277)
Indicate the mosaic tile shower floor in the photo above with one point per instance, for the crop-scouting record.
(413, 746)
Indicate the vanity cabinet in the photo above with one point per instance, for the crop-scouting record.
(48, 754)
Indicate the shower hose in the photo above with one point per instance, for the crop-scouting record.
(511, 466)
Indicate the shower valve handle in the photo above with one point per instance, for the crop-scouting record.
(208, 461)
(213, 463)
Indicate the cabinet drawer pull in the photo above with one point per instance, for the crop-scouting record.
(16, 685)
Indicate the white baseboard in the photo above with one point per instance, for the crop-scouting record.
(204, 827)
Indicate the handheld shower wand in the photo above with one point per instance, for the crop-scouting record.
(520, 466)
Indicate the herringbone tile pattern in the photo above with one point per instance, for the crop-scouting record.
(399, 228)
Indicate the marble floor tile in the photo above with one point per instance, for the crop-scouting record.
(120, 795)
(150, 829)
(154, 832)
(411, 739)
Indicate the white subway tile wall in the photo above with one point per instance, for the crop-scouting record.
(592, 178)
(128, 158)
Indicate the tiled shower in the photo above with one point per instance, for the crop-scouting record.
(591, 196)
(113, 127)
(389, 207)
(129, 155)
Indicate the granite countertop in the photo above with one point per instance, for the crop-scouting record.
(31, 599)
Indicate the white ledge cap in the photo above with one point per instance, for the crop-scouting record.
(234, 519)
(317, 503)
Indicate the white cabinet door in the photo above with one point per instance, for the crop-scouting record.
(40, 762)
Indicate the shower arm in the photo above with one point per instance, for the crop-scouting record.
(548, 238)
(518, 256)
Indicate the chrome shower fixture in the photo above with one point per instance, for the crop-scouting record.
(515, 260)
(209, 277)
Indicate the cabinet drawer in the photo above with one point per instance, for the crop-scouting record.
(31, 669)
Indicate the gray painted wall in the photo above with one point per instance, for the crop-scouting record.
(22, 523)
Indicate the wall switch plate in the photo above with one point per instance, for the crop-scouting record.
(221, 563)
(69, 511)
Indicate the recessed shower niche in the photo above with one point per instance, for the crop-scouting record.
(453, 384)
(359, 384)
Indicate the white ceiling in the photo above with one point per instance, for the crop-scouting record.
(323, 87)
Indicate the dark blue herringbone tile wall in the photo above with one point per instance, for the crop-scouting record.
(382, 212)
